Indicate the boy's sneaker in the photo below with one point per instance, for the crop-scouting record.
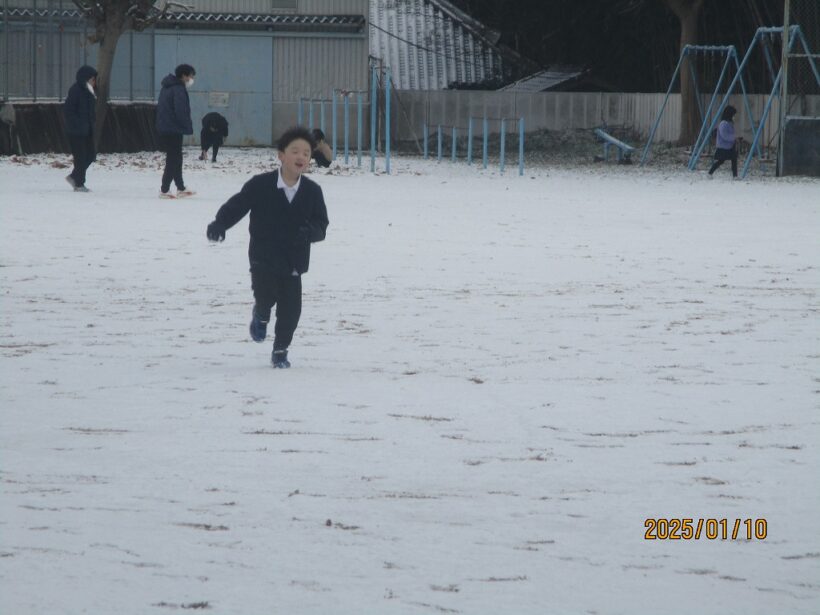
(181, 194)
(71, 181)
(279, 358)
(81, 189)
(258, 328)
(166, 195)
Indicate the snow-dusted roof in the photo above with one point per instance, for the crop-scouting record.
(544, 80)
(226, 19)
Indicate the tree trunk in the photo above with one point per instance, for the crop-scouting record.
(687, 12)
(689, 117)
(105, 62)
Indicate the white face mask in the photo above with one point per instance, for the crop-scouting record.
(90, 88)
(189, 83)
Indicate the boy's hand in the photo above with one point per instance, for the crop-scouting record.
(215, 232)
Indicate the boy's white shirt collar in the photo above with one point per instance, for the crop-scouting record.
(290, 191)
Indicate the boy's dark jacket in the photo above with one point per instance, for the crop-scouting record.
(79, 107)
(281, 231)
(174, 108)
(215, 123)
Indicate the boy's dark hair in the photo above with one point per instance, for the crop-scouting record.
(292, 134)
(184, 69)
(318, 135)
(728, 113)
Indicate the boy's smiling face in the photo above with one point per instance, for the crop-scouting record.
(295, 159)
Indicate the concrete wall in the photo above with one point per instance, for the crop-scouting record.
(567, 111)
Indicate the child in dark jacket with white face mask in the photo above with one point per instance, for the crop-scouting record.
(80, 115)
(288, 213)
(174, 122)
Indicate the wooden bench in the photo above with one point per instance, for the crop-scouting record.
(624, 150)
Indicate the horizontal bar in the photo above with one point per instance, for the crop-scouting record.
(709, 47)
(498, 119)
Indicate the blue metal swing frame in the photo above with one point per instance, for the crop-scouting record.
(795, 34)
(705, 115)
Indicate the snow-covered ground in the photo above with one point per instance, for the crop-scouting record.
(495, 382)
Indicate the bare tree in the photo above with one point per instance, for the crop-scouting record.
(111, 18)
(687, 12)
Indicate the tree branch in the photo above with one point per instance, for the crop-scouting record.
(91, 9)
(143, 14)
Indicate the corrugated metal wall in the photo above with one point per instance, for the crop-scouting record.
(313, 67)
(40, 64)
(426, 49)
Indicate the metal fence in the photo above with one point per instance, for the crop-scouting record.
(43, 45)
(799, 144)
(801, 81)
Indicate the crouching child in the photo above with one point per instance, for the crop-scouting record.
(288, 213)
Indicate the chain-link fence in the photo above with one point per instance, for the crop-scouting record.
(802, 81)
(800, 114)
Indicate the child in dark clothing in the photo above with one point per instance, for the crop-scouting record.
(288, 213)
(322, 153)
(80, 116)
(214, 132)
(726, 142)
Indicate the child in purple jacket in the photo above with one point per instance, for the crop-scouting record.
(726, 146)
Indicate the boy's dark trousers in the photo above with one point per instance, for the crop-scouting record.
(172, 145)
(285, 291)
(721, 156)
(208, 140)
(82, 148)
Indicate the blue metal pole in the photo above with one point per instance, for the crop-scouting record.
(503, 137)
(438, 158)
(424, 132)
(347, 128)
(333, 121)
(387, 121)
(310, 113)
(768, 57)
(748, 106)
(708, 115)
(470, 141)
(322, 115)
(359, 127)
(453, 155)
(373, 105)
(521, 146)
(760, 126)
(485, 141)
(657, 121)
(697, 89)
(797, 32)
(299, 114)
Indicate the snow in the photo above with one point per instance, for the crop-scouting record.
(495, 381)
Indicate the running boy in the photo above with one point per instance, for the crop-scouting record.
(288, 213)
